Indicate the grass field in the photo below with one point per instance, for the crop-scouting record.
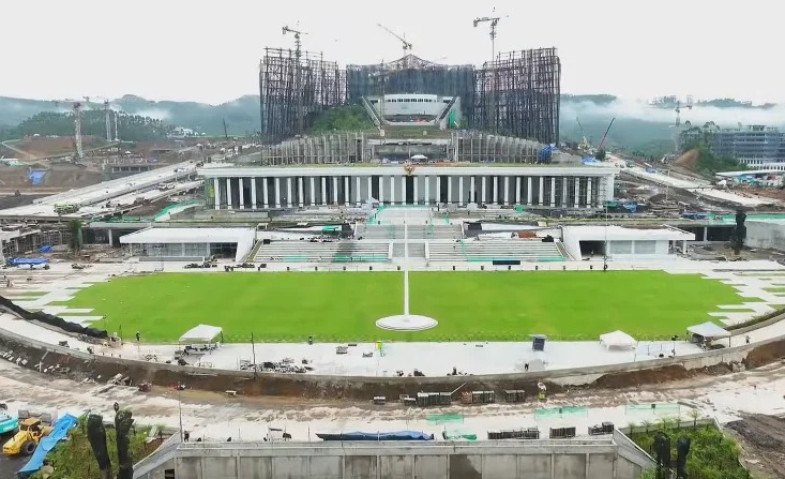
(468, 305)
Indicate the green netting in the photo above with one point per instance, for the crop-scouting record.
(459, 435)
(658, 409)
(550, 259)
(566, 411)
(359, 259)
(444, 418)
(296, 259)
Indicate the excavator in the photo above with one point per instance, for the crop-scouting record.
(24, 442)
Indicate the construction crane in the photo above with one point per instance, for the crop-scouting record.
(605, 136)
(585, 145)
(494, 21)
(76, 105)
(407, 46)
(297, 42)
(297, 73)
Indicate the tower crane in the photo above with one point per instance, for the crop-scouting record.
(297, 73)
(407, 46)
(494, 21)
(76, 105)
(297, 42)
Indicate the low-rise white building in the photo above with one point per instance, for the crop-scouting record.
(620, 242)
(190, 244)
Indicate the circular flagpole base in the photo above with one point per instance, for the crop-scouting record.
(411, 322)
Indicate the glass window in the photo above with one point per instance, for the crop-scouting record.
(645, 247)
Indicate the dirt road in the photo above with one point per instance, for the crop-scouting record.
(763, 440)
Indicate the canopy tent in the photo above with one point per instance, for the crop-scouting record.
(708, 330)
(617, 339)
(204, 333)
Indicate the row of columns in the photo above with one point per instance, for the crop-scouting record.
(511, 188)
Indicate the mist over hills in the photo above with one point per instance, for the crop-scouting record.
(639, 125)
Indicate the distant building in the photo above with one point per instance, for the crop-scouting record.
(757, 146)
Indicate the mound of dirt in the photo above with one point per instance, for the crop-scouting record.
(688, 160)
(41, 147)
(71, 176)
(763, 441)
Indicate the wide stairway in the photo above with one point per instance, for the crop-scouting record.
(499, 250)
(294, 251)
(416, 250)
(397, 232)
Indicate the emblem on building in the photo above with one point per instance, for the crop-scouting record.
(409, 168)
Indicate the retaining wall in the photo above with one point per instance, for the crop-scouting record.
(536, 459)
(34, 354)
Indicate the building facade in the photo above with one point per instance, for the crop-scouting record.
(757, 146)
(250, 188)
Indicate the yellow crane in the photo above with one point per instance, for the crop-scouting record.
(407, 46)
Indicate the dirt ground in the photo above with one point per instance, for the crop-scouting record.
(763, 440)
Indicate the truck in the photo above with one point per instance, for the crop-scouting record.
(24, 442)
(66, 208)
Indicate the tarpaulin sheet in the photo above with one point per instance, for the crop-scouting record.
(60, 431)
(377, 436)
(26, 261)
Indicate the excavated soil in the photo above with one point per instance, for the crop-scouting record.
(763, 441)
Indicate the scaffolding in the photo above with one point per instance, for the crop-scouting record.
(294, 86)
(518, 95)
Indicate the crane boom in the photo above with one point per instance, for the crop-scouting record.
(407, 46)
(605, 136)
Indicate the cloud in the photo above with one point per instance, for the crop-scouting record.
(154, 113)
(698, 115)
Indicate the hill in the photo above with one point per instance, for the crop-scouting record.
(639, 127)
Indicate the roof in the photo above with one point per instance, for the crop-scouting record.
(621, 233)
(617, 339)
(189, 235)
(204, 333)
(708, 330)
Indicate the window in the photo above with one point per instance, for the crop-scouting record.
(645, 247)
(621, 247)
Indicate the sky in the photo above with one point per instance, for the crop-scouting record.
(209, 51)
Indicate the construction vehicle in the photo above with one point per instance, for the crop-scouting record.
(24, 442)
(66, 208)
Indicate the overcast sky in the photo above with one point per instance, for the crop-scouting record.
(210, 51)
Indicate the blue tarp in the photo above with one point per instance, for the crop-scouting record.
(61, 428)
(45, 249)
(26, 261)
(36, 176)
(377, 436)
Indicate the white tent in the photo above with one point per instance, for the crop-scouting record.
(617, 339)
(708, 330)
(203, 333)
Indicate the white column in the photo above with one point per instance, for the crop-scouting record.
(357, 194)
(472, 195)
(241, 192)
(529, 190)
(564, 191)
(460, 191)
(289, 192)
(517, 190)
(496, 190)
(313, 191)
(324, 190)
(392, 190)
(541, 194)
(381, 190)
(300, 201)
(253, 193)
(588, 192)
(438, 190)
(346, 190)
(403, 190)
(216, 194)
(577, 190)
(370, 187)
(335, 190)
(264, 193)
(414, 193)
(427, 188)
(229, 193)
(553, 191)
(449, 190)
(482, 193)
(277, 192)
(506, 190)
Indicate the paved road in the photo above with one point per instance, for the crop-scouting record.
(9, 466)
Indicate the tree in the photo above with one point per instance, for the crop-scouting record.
(75, 228)
(600, 155)
(739, 233)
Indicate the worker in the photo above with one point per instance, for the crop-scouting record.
(138, 337)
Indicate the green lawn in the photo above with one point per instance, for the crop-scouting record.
(468, 305)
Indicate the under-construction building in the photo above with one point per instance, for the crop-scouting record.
(295, 86)
(516, 95)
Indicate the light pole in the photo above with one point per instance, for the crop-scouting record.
(605, 246)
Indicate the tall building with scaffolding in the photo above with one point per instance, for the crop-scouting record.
(516, 95)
